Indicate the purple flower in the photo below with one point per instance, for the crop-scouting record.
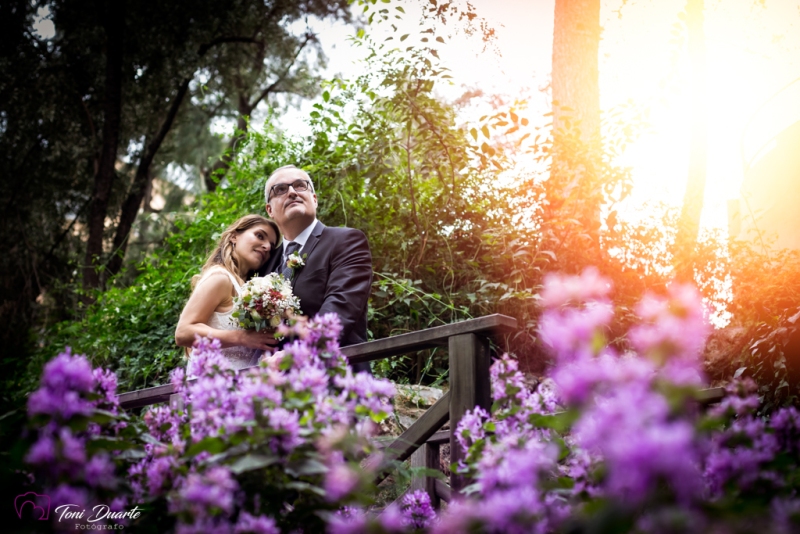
(159, 473)
(470, 428)
(340, 480)
(674, 326)
(348, 520)
(786, 424)
(106, 382)
(417, 510)
(575, 334)
(641, 446)
(66, 372)
(100, 472)
(66, 494)
(43, 451)
(560, 290)
(287, 426)
(203, 494)
(249, 524)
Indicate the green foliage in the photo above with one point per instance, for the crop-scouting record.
(763, 340)
(131, 329)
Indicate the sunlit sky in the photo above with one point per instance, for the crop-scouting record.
(753, 51)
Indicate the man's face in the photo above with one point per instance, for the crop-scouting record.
(292, 205)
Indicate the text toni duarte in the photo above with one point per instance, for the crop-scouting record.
(98, 513)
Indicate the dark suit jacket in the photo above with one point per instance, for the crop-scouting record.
(336, 277)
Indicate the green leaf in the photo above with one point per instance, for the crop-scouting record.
(251, 462)
(213, 445)
(560, 422)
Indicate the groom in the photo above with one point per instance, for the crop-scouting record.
(337, 271)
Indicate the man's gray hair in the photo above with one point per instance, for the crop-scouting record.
(279, 169)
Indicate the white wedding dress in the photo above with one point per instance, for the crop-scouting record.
(238, 357)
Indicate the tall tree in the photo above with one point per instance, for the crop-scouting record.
(88, 116)
(689, 221)
(151, 55)
(575, 80)
(575, 187)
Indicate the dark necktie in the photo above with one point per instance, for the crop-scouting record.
(291, 248)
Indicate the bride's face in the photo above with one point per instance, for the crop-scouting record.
(253, 246)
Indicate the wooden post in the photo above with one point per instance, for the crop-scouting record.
(469, 387)
(426, 456)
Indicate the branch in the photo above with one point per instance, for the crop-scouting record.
(272, 87)
(130, 208)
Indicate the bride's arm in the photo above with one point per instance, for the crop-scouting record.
(206, 298)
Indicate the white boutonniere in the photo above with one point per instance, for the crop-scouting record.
(295, 262)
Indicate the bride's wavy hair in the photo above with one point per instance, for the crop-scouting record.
(223, 254)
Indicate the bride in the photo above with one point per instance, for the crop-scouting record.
(243, 248)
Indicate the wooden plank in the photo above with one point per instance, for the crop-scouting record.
(401, 448)
(437, 336)
(427, 456)
(145, 397)
(469, 386)
(442, 436)
(443, 491)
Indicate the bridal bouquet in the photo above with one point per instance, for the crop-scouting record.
(264, 302)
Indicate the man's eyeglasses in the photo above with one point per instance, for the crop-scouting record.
(278, 190)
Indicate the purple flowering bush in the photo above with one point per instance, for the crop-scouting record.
(78, 433)
(265, 450)
(614, 439)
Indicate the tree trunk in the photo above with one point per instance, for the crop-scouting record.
(689, 222)
(104, 178)
(574, 189)
(141, 181)
(575, 76)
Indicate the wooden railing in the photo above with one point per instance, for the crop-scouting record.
(469, 360)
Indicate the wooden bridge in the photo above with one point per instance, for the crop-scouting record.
(467, 343)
